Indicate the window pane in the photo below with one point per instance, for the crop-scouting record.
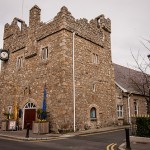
(44, 53)
(96, 59)
(120, 113)
(117, 107)
(93, 113)
(120, 110)
(94, 86)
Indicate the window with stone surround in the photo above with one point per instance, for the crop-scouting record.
(44, 53)
(93, 113)
(120, 111)
(135, 107)
(95, 58)
(20, 61)
(94, 87)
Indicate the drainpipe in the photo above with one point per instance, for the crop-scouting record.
(74, 98)
(129, 111)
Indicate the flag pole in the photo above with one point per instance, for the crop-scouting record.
(15, 105)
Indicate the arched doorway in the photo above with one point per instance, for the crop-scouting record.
(29, 114)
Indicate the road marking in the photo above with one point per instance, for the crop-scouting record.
(111, 146)
(101, 132)
(108, 146)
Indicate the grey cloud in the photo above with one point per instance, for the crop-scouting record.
(130, 18)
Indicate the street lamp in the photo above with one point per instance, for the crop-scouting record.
(148, 57)
(148, 91)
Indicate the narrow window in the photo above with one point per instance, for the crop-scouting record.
(120, 111)
(44, 53)
(20, 61)
(135, 108)
(94, 87)
(95, 58)
(93, 113)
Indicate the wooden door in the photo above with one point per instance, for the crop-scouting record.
(29, 117)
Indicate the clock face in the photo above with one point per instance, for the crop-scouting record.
(4, 55)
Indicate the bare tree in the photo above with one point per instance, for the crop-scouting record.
(141, 80)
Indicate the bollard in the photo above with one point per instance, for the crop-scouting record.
(127, 139)
(28, 128)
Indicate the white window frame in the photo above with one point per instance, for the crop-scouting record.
(136, 111)
(120, 111)
(44, 53)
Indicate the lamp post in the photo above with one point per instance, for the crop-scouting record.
(148, 56)
(127, 139)
(148, 102)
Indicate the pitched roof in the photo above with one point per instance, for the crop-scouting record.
(127, 79)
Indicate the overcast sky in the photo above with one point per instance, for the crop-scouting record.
(130, 20)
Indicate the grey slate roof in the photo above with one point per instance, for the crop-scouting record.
(127, 79)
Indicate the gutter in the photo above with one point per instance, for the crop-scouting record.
(129, 110)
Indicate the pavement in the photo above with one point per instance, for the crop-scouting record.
(137, 143)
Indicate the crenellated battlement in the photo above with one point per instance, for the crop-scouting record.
(34, 17)
(64, 12)
(17, 26)
(104, 23)
(15, 35)
(93, 30)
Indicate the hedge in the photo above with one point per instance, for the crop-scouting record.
(143, 126)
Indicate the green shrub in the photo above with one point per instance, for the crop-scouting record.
(41, 114)
(143, 126)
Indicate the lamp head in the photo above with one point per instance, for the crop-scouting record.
(148, 57)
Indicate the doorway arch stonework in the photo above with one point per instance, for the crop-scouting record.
(28, 100)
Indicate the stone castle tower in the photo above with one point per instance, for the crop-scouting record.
(72, 58)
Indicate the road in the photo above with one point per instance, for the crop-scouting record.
(98, 141)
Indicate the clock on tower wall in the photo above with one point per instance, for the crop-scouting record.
(4, 54)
